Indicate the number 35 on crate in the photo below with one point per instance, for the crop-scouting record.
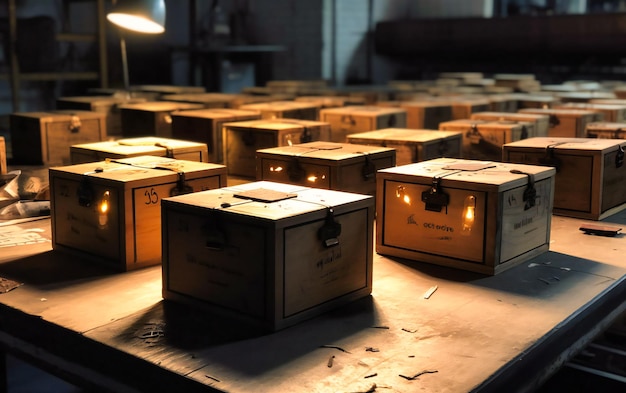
(110, 211)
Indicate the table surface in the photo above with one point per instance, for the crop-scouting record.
(474, 333)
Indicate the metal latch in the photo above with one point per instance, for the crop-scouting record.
(530, 193)
(474, 135)
(215, 238)
(369, 168)
(74, 125)
(306, 136)
(181, 186)
(619, 157)
(330, 231)
(550, 158)
(435, 199)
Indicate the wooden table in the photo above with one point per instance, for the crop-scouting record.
(113, 332)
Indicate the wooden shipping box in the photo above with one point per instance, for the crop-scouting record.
(567, 123)
(205, 126)
(111, 211)
(540, 123)
(266, 261)
(471, 215)
(534, 100)
(330, 101)
(109, 105)
(584, 96)
(3, 156)
(285, 109)
(151, 118)
(142, 146)
(426, 114)
(501, 103)
(590, 175)
(208, 100)
(607, 112)
(243, 138)
(483, 139)
(44, 138)
(359, 118)
(606, 130)
(168, 89)
(413, 145)
(462, 108)
(329, 165)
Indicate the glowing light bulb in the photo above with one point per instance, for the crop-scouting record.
(276, 169)
(402, 194)
(469, 214)
(103, 208)
(312, 178)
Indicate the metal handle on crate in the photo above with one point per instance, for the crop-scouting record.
(306, 136)
(369, 168)
(181, 186)
(530, 193)
(74, 125)
(435, 199)
(554, 121)
(619, 157)
(474, 135)
(85, 193)
(330, 231)
(551, 159)
(524, 133)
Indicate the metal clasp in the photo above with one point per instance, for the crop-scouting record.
(530, 193)
(435, 199)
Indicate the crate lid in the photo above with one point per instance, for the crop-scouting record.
(580, 145)
(218, 113)
(275, 124)
(280, 105)
(363, 110)
(140, 170)
(99, 100)
(509, 115)
(146, 145)
(471, 174)
(297, 201)
(161, 106)
(404, 135)
(321, 150)
(606, 125)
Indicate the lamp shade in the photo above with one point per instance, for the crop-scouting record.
(144, 16)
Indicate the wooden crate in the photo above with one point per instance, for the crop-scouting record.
(425, 114)
(483, 139)
(142, 146)
(590, 178)
(462, 108)
(330, 101)
(329, 165)
(359, 118)
(243, 138)
(501, 103)
(540, 123)
(285, 109)
(205, 126)
(109, 105)
(525, 100)
(266, 261)
(162, 90)
(126, 234)
(412, 145)
(606, 130)
(566, 123)
(3, 156)
(466, 214)
(151, 118)
(207, 100)
(584, 96)
(44, 138)
(607, 112)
